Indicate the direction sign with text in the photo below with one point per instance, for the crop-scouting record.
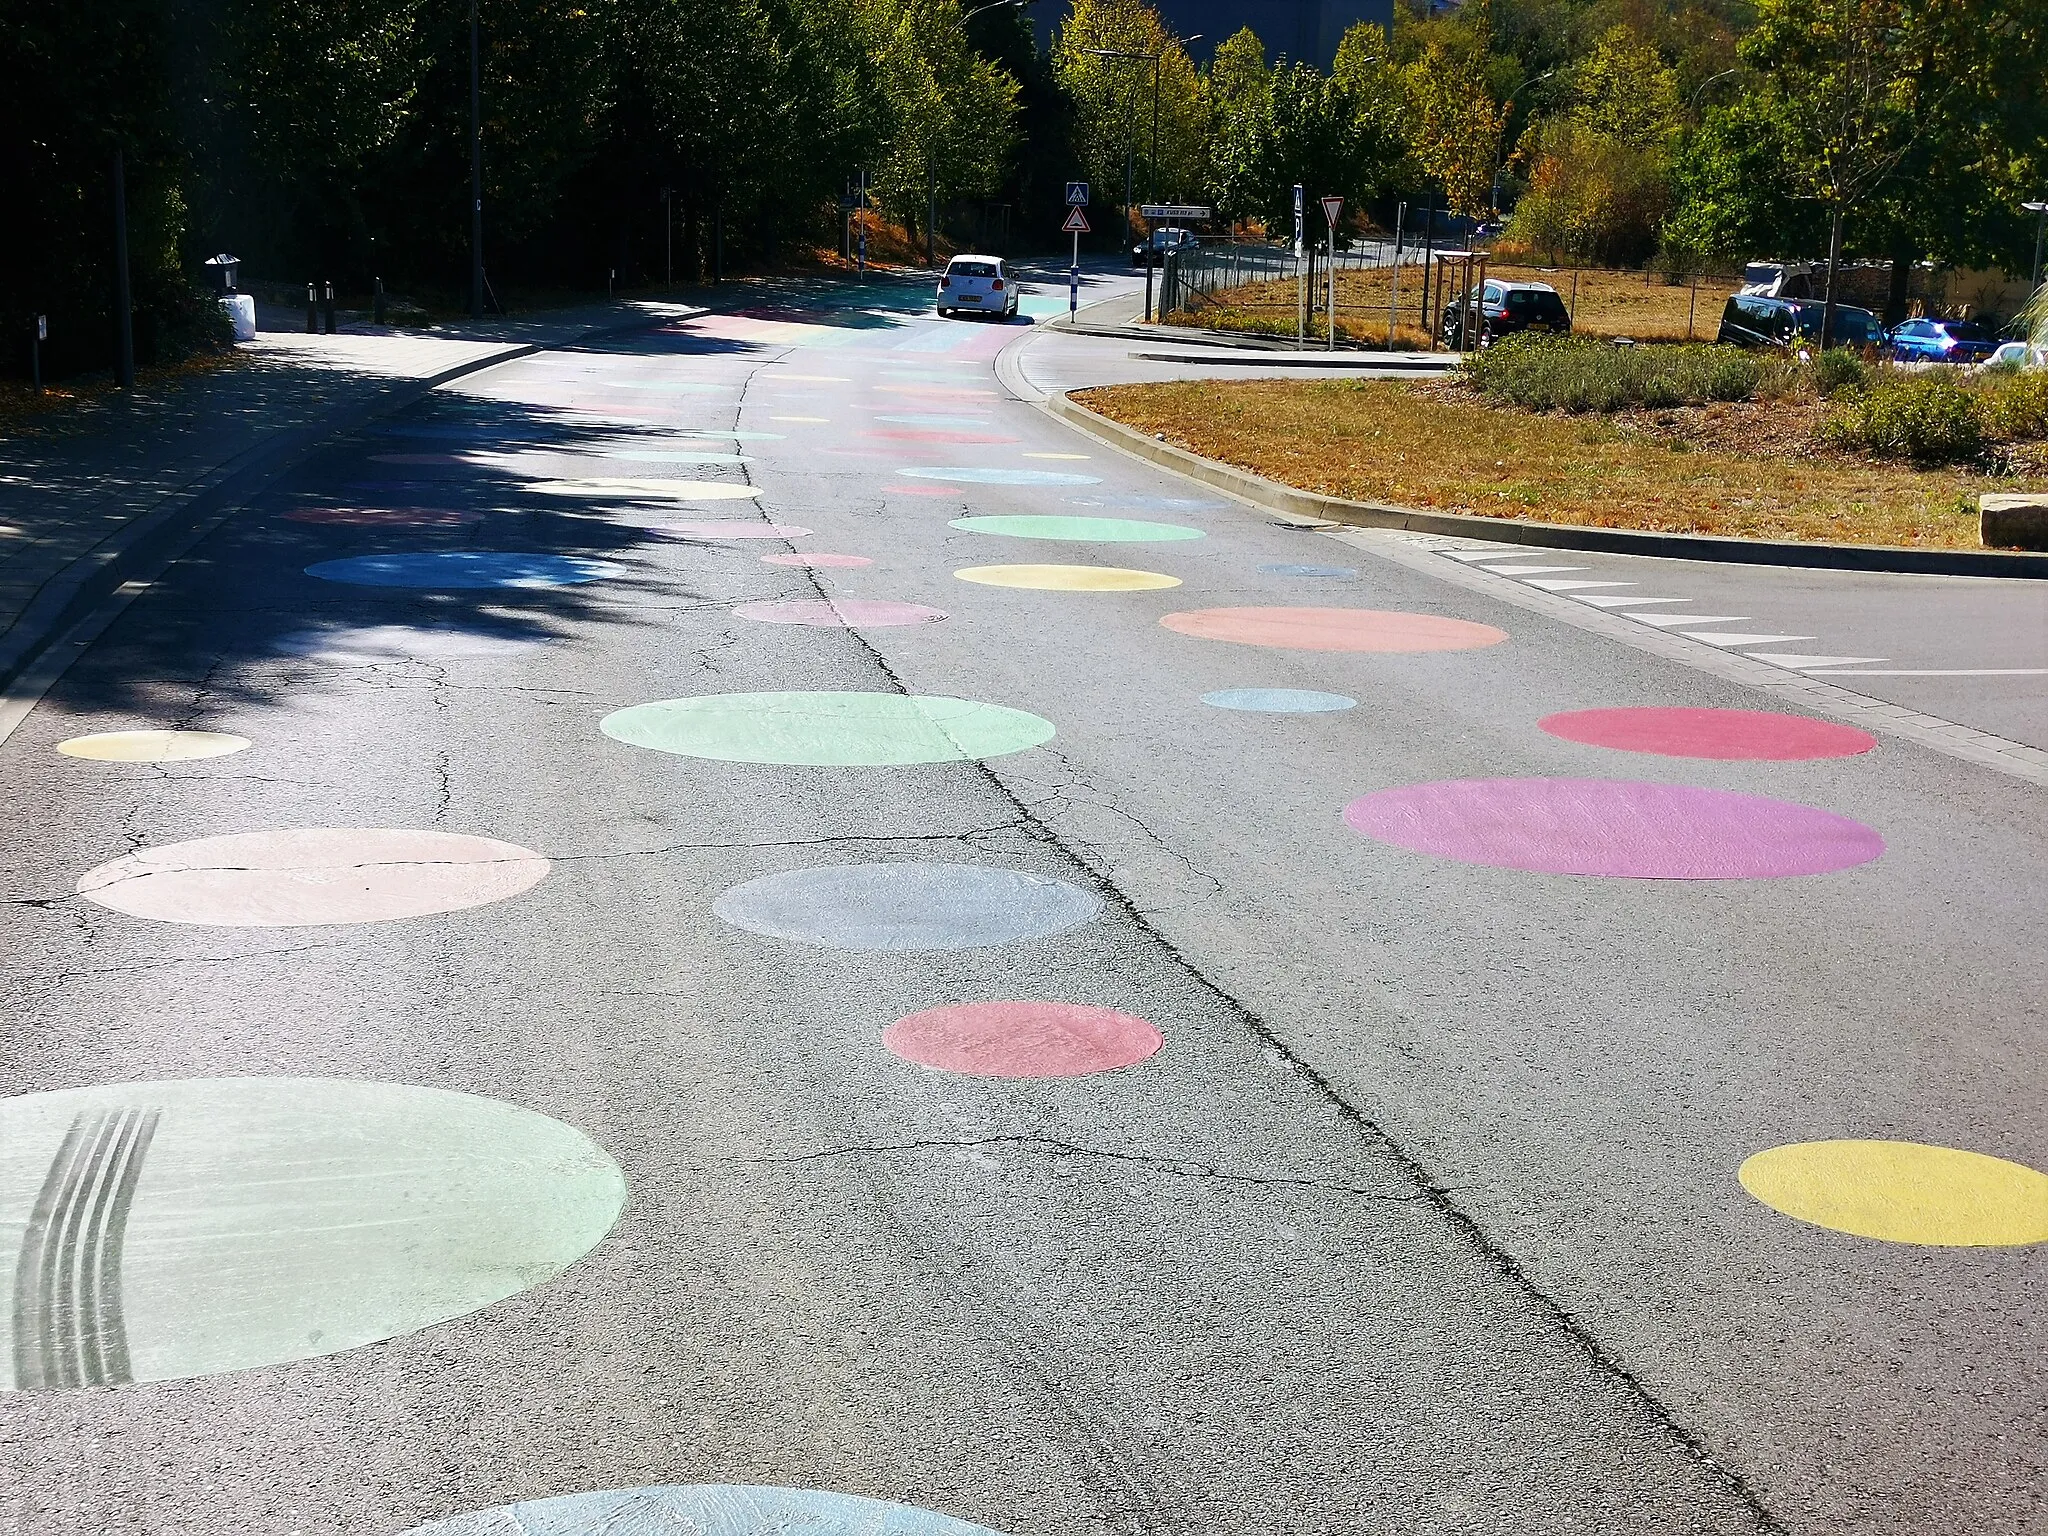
(1077, 194)
(1192, 211)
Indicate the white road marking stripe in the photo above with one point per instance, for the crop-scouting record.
(1629, 602)
(1973, 672)
(1509, 553)
(1575, 586)
(1726, 640)
(1673, 620)
(1801, 663)
(1532, 570)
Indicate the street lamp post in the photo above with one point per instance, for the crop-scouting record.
(2040, 212)
(1130, 153)
(476, 165)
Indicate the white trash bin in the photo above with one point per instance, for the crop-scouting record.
(241, 312)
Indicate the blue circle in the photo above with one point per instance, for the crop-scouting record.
(1334, 572)
(463, 570)
(907, 907)
(1279, 701)
(718, 1510)
(1003, 476)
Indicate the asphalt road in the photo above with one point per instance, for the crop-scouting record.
(1377, 1187)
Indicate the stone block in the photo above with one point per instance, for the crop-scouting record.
(2012, 522)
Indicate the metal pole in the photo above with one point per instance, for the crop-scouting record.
(476, 164)
(36, 333)
(1074, 281)
(1394, 297)
(1333, 285)
(2040, 224)
(1155, 128)
(1130, 223)
(124, 304)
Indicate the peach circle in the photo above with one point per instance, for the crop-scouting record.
(304, 877)
(1335, 629)
(1014, 1039)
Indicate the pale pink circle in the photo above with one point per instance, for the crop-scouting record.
(1614, 827)
(840, 613)
(308, 876)
(1023, 1039)
(731, 528)
(820, 561)
(387, 517)
(1335, 629)
(1726, 734)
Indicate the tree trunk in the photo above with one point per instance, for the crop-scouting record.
(1827, 314)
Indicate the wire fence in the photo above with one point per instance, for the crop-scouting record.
(1193, 279)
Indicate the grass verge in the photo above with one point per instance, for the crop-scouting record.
(1742, 470)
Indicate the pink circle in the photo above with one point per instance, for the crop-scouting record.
(840, 613)
(819, 562)
(1023, 1039)
(1334, 629)
(731, 528)
(1727, 734)
(908, 436)
(387, 517)
(1616, 827)
(916, 490)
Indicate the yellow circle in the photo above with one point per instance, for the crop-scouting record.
(1067, 578)
(152, 746)
(1903, 1192)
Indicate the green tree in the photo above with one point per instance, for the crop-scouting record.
(1115, 99)
(1241, 101)
(951, 112)
(1454, 124)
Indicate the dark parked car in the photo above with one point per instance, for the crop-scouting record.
(1502, 310)
(1156, 247)
(1751, 320)
(1942, 341)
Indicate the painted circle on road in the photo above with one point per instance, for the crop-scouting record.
(1148, 503)
(1335, 629)
(386, 517)
(378, 645)
(464, 570)
(1725, 734)
(840, 613)
(927, 420)
(740, 437)
(821, 562)
(1018, 1039)
(940, 435)
(710, 1510)
(1614, 827)
(906, 906)
(1080, 530)
(988, 476)
(731, 528)
(152, 746)
(1280, 701)
(1327, 572)
(181, 1229)
(617, 487)
(828, 730)
(1903, 1192)
(1067, 578)
(306, 877)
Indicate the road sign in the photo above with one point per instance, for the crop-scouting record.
(1077, 194)
(1332, 207)
(1077, 223)
(1297, 218)
(1194, 212)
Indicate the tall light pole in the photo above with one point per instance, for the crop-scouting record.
(476, 165)
(1130, 226)
(2040, 212)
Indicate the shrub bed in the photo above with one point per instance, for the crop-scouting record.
(1578, 374)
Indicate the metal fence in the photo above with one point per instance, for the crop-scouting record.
(1193, 279)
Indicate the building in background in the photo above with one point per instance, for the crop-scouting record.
(1301, 29)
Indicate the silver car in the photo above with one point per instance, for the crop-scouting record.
(977, 285)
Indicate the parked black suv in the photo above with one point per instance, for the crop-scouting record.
(1503, 309)
(1751, 320)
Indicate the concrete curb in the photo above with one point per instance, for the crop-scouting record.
(78, 603)
(1271, 494)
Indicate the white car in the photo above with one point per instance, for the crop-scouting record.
(977, 285)
(2017, 354)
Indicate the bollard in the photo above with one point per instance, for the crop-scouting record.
(377, 300)
(38, 334)
(327, 304)
(312, 311)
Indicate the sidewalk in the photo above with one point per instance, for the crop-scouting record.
(93, 499)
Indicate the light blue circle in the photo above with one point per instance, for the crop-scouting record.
(906, 907)
(1334, 572)
(935, 421)
(1002, 476)
(1151, 503)
(1279, 701)
(463, 570)
(718, 1510)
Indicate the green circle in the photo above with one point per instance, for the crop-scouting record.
(167, 1230)
(1083, 530)
(827, 730)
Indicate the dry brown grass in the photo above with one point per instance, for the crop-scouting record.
(1710, 470)
(1609, 303)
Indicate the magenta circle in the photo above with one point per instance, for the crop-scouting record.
(1015, 1039)
(1615, 827)
(729, 528)
(821, 562)
(1726, 734)
(840, 613)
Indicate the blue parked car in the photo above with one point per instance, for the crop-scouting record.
(1941, 341)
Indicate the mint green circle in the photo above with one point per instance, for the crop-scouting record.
(827, 730)
(1084, 530)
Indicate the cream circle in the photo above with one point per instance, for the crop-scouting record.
(306, 877)
(1903, 1192)
(1067, 578)
(152, 746)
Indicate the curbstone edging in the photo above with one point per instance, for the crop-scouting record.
(1617, 541)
